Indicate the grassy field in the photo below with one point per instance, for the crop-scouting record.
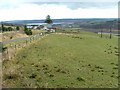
(34, 32)
(6, 36)
(81, 60)
(10, 35)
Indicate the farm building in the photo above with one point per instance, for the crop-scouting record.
(43, 26)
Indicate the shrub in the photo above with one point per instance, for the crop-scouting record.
(27, 31)
(3, 49)
(11, 37)
(17, 28)
(10, 29)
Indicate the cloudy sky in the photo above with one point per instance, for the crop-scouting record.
(57, 9)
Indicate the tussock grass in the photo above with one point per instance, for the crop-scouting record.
(62, 61)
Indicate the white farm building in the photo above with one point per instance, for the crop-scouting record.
(42, 26)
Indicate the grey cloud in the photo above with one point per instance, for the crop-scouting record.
(76, 5)
(7, 6)
(71, 5)
(70, 0)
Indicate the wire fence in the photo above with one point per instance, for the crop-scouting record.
(10, 48)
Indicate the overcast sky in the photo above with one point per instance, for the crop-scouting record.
(57, 9)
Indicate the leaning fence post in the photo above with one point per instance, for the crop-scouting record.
(26, 42)
(30, 40)
(8, 53)
(15, 46)
(7, 50)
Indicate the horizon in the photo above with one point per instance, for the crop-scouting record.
(56, 19)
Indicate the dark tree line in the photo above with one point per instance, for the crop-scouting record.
(99, 25)
(3, 28)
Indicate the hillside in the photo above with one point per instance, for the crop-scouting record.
(76, 60)
(95, 23)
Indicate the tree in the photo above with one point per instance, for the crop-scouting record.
(17, 28)
(3, 29)
(111, 24)
(27, 31)
(48, 20)
(9, 29)
(101, 33)
(110, 32)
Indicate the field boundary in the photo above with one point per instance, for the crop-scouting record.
(9, 48)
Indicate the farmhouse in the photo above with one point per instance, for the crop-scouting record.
(35, 25)
(42, 26)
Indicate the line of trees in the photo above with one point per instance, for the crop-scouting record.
(17, 28)
(4, 28)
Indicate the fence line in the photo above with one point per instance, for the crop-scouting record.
(13, 46)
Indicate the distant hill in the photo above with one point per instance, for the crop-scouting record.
(87, 23)
(61, 20)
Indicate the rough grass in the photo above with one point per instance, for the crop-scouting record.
(34, 32)
(81, 60)
(6, 36)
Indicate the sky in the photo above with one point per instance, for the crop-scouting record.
(57, 9)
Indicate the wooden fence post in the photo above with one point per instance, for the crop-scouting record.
(8, 53)
(26, 42)
(15, 46)
(110, 32)
(7, 50)
(30, 39)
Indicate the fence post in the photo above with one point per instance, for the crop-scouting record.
(8, 53)
(26, 42)
(30, 39)
(15, 46)
(7, 50)
(110, 32)
(33, 38)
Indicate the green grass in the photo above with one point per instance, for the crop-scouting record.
(81, 60)
(34, 32)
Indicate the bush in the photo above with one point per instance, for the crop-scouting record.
(17, 28)
(10, 29)
(6, 29)
(27, 31)
(3, 48)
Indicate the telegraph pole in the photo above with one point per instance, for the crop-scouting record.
(111, 23)
(101, 33)
(110, 32)
(2, 27)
